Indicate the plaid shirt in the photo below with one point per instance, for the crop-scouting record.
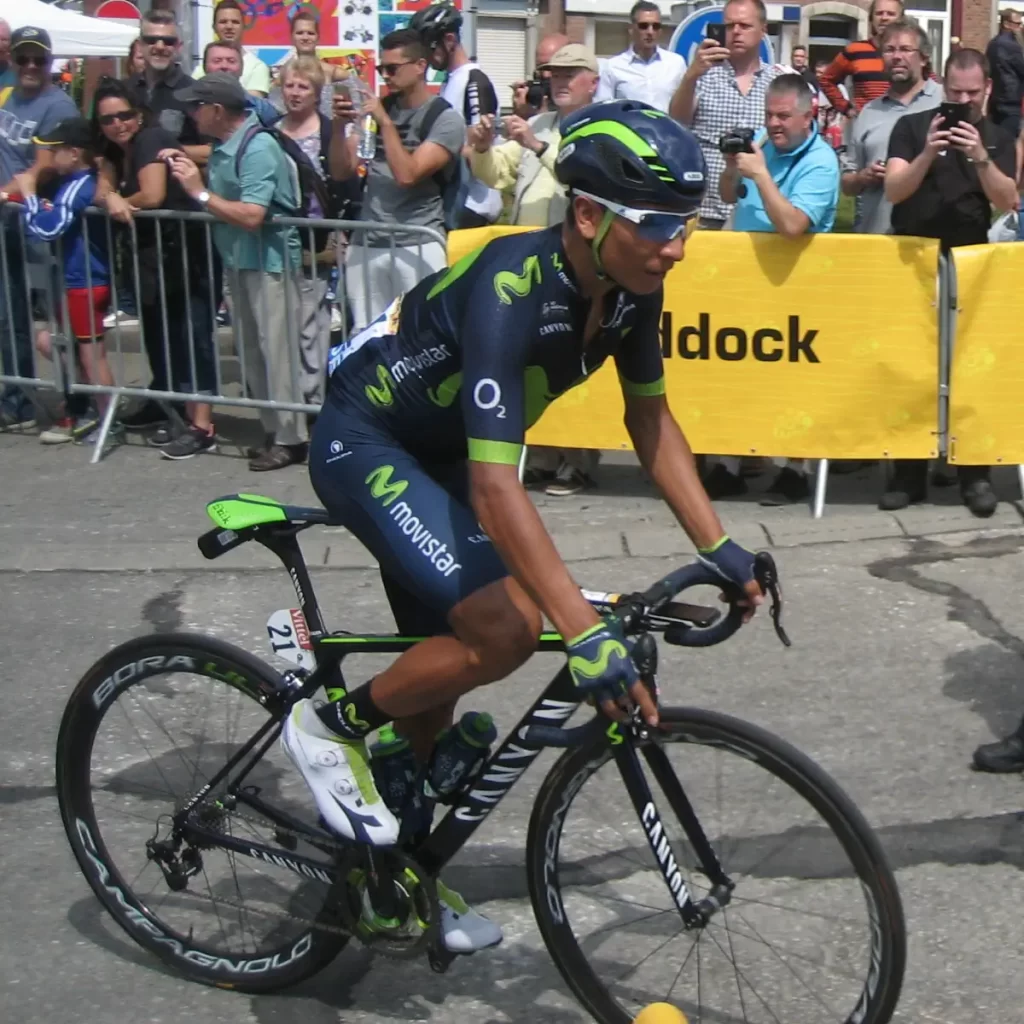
(721, 106)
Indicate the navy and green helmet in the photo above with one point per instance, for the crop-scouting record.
(629, 153)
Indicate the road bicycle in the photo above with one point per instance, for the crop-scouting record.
(704, 862)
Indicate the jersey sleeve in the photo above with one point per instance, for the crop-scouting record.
(638, 359)
(498, 329)
(480, 97)
(51, 220)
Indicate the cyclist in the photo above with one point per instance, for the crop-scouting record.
(417, 448)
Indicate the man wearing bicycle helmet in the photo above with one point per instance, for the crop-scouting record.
(469, 92)
(417, 448)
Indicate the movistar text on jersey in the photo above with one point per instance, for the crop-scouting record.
(419, 361)
(733, 344)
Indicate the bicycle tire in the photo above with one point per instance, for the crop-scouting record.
(95, 694)
(562, 785)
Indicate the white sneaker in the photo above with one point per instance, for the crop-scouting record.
(338, 774)
(464, 930)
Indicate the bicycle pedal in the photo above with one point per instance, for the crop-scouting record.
(440, 959)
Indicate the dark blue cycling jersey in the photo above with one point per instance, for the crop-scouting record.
(460, 366)
(473, 355)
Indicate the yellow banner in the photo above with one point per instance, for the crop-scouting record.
(986, 387)
(826, 347)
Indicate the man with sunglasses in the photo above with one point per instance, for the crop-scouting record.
(646, 71)
(416, 451)
(420, 137)
(32, 108)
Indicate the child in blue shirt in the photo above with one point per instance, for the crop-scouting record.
(86, 264)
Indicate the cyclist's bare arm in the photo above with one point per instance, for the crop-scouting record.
(512, 522)
(664, 452)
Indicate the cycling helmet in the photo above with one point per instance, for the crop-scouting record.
(435, 21)
(627, 152)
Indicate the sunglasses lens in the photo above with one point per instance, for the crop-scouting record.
(663, 227)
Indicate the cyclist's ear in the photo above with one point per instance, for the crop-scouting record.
(587, 216)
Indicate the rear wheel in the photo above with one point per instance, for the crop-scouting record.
(146, 728)
(813, 932)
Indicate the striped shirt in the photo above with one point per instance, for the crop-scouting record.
(862, 61)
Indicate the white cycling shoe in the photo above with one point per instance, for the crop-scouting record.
(338, 774)
(464, 930)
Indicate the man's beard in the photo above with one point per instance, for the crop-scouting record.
(902, 85)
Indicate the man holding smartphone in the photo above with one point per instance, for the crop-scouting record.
(945, 172)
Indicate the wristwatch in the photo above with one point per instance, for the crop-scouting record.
(544, 146)
(203, 198)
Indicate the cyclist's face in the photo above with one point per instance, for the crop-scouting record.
(635, 263)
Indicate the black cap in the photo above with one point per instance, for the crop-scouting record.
(29, 35)
(73, 131)
(216, 87)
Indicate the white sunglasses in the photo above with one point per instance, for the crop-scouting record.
(653, 225)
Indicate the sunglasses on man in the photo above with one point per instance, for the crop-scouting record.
(392, 69)
(166, 40)
(24, 60)
(654, 26)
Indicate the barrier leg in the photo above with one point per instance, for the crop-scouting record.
(820, 486)
(1020, 479)
(108, 419)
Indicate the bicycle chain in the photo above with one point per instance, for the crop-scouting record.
(345, 853)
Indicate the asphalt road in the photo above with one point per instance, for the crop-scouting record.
(907, 653)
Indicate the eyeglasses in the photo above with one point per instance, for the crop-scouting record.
(651, 225)
(23, 60)
(653, 25)
(903, 51)
(106, 120)
(166, 40)
(392, 69)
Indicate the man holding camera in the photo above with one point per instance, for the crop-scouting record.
(723, 89)
(786, 182)
(534, 96)
(646, 71)
(945, 171)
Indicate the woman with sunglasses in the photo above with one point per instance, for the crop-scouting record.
(174, 283)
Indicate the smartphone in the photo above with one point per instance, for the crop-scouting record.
(953, 114)
(715, 30)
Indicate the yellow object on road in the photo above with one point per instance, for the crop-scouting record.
(660, 1013)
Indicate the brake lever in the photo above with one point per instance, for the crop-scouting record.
(767, 576)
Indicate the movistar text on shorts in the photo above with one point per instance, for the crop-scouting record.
(434, 550)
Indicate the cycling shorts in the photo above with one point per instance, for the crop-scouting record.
(413, 517)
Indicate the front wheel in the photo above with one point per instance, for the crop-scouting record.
(813, 932)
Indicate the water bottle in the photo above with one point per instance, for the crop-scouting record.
(394, 769)
(459, 754)
(367, 139)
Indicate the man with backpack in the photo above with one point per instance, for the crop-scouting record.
(420, 138)
(251, 178)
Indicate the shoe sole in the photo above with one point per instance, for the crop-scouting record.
(191, 455)
(54, 439)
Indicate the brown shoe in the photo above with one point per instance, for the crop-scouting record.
(277, 456)
(258, 449)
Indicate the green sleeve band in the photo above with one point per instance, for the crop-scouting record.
(651, 390)
(504, 453)
(714, 547)
(587, 632)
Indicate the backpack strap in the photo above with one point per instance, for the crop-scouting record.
(250, 133)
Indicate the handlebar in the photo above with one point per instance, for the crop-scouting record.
(637, 610)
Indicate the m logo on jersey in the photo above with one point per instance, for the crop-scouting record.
(382, 487)
(521, 284)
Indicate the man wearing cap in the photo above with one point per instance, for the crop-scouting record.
(32, 108)
(526, 166)
(250, 176)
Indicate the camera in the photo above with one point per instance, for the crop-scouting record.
(737, 140)
(537, 91)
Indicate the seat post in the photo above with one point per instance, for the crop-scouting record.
(283, 541)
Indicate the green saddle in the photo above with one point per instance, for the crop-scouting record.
(240, 511)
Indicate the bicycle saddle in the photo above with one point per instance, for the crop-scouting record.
(240, 511)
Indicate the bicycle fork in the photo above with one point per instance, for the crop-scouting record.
(694, 913)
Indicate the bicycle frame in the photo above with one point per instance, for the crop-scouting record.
(541, 727)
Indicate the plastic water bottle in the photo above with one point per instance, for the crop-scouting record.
(459, 754)
(394, 769)
(367, 139)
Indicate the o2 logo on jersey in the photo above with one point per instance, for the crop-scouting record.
(487, 396)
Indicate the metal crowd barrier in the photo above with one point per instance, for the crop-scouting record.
(176, 281)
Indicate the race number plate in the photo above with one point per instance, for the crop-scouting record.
(289, 637)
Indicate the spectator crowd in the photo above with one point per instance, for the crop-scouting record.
(919, 150)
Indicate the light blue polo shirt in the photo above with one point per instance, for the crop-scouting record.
(808, 177)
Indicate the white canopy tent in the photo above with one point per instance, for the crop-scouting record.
(73, 35)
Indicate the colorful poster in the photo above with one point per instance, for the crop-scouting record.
(362, 62)
(268, 22)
